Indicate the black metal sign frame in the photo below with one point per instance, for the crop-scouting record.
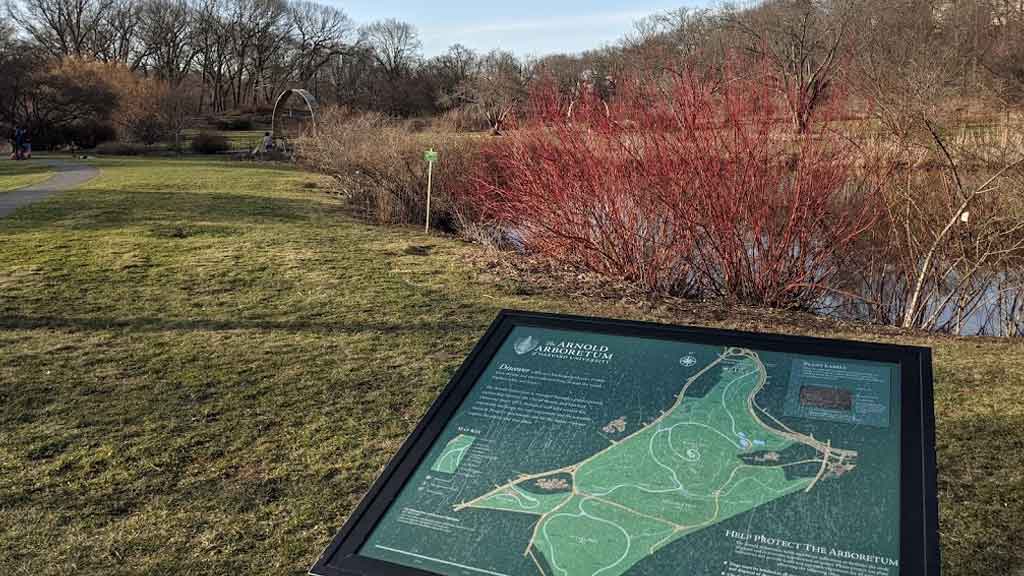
(919, 536)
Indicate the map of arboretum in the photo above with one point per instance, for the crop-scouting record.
(599, 457)
(702, 461)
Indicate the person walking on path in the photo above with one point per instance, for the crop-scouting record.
(19, 142)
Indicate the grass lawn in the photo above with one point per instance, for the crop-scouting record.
(203, 366)
(14, 175)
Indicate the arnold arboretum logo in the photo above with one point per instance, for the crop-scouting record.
(564, 350)
(526, 345)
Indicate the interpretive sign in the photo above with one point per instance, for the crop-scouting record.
(569, 446)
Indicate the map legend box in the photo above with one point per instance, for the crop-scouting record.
(840, 391)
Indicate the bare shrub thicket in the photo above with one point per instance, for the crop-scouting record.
(1006, 315)
(210, 143)
(149, 110)
(465, 119)
(377, 165)
(687, 185)
(70, 101)
(948, 250)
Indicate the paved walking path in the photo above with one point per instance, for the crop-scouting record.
(69, 174)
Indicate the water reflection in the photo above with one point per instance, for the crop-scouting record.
(989, 305)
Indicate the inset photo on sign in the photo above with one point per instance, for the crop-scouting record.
(840, 391)
(827, 398)
(449, 460)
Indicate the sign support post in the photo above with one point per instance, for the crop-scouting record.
(430, 156)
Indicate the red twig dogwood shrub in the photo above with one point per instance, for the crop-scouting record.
(778, 212)
(682, 184)
(562, 182)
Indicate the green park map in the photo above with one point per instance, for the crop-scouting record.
(685, 471)
(738, 447)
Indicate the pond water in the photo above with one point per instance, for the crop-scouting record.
(995, 309)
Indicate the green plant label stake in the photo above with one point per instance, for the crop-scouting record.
(430, 156)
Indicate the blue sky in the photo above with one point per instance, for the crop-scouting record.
(534, 27)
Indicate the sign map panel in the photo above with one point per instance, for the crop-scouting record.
(586, 453)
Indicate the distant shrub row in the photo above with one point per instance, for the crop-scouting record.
(234, 124)
(123, 149)
(210, 143)
(202, 143)
(377, 164)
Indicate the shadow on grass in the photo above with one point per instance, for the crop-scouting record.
(104, 209)
(191, 161)
(143, 325)
(20, 169)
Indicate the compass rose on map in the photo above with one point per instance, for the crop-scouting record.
(688, 361)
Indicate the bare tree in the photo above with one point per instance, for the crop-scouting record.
(948, 244)
(903, 65)
(321, 33)
(979, 246)
(663, 39)
(1003, 54)
(271, 30)
(452, 70)
(396, 46)
(459, 61)
(212, 37)
(498, 87)
(175, 110)
(565, 69)
(236, 52)
(61, 27)
(352, 77)
(17, 69)
(805, 41)
(119, 37)
(167, 34)
(241, 32)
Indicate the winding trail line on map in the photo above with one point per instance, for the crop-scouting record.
(69, 175)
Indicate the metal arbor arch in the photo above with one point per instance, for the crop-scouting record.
(308, 98)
